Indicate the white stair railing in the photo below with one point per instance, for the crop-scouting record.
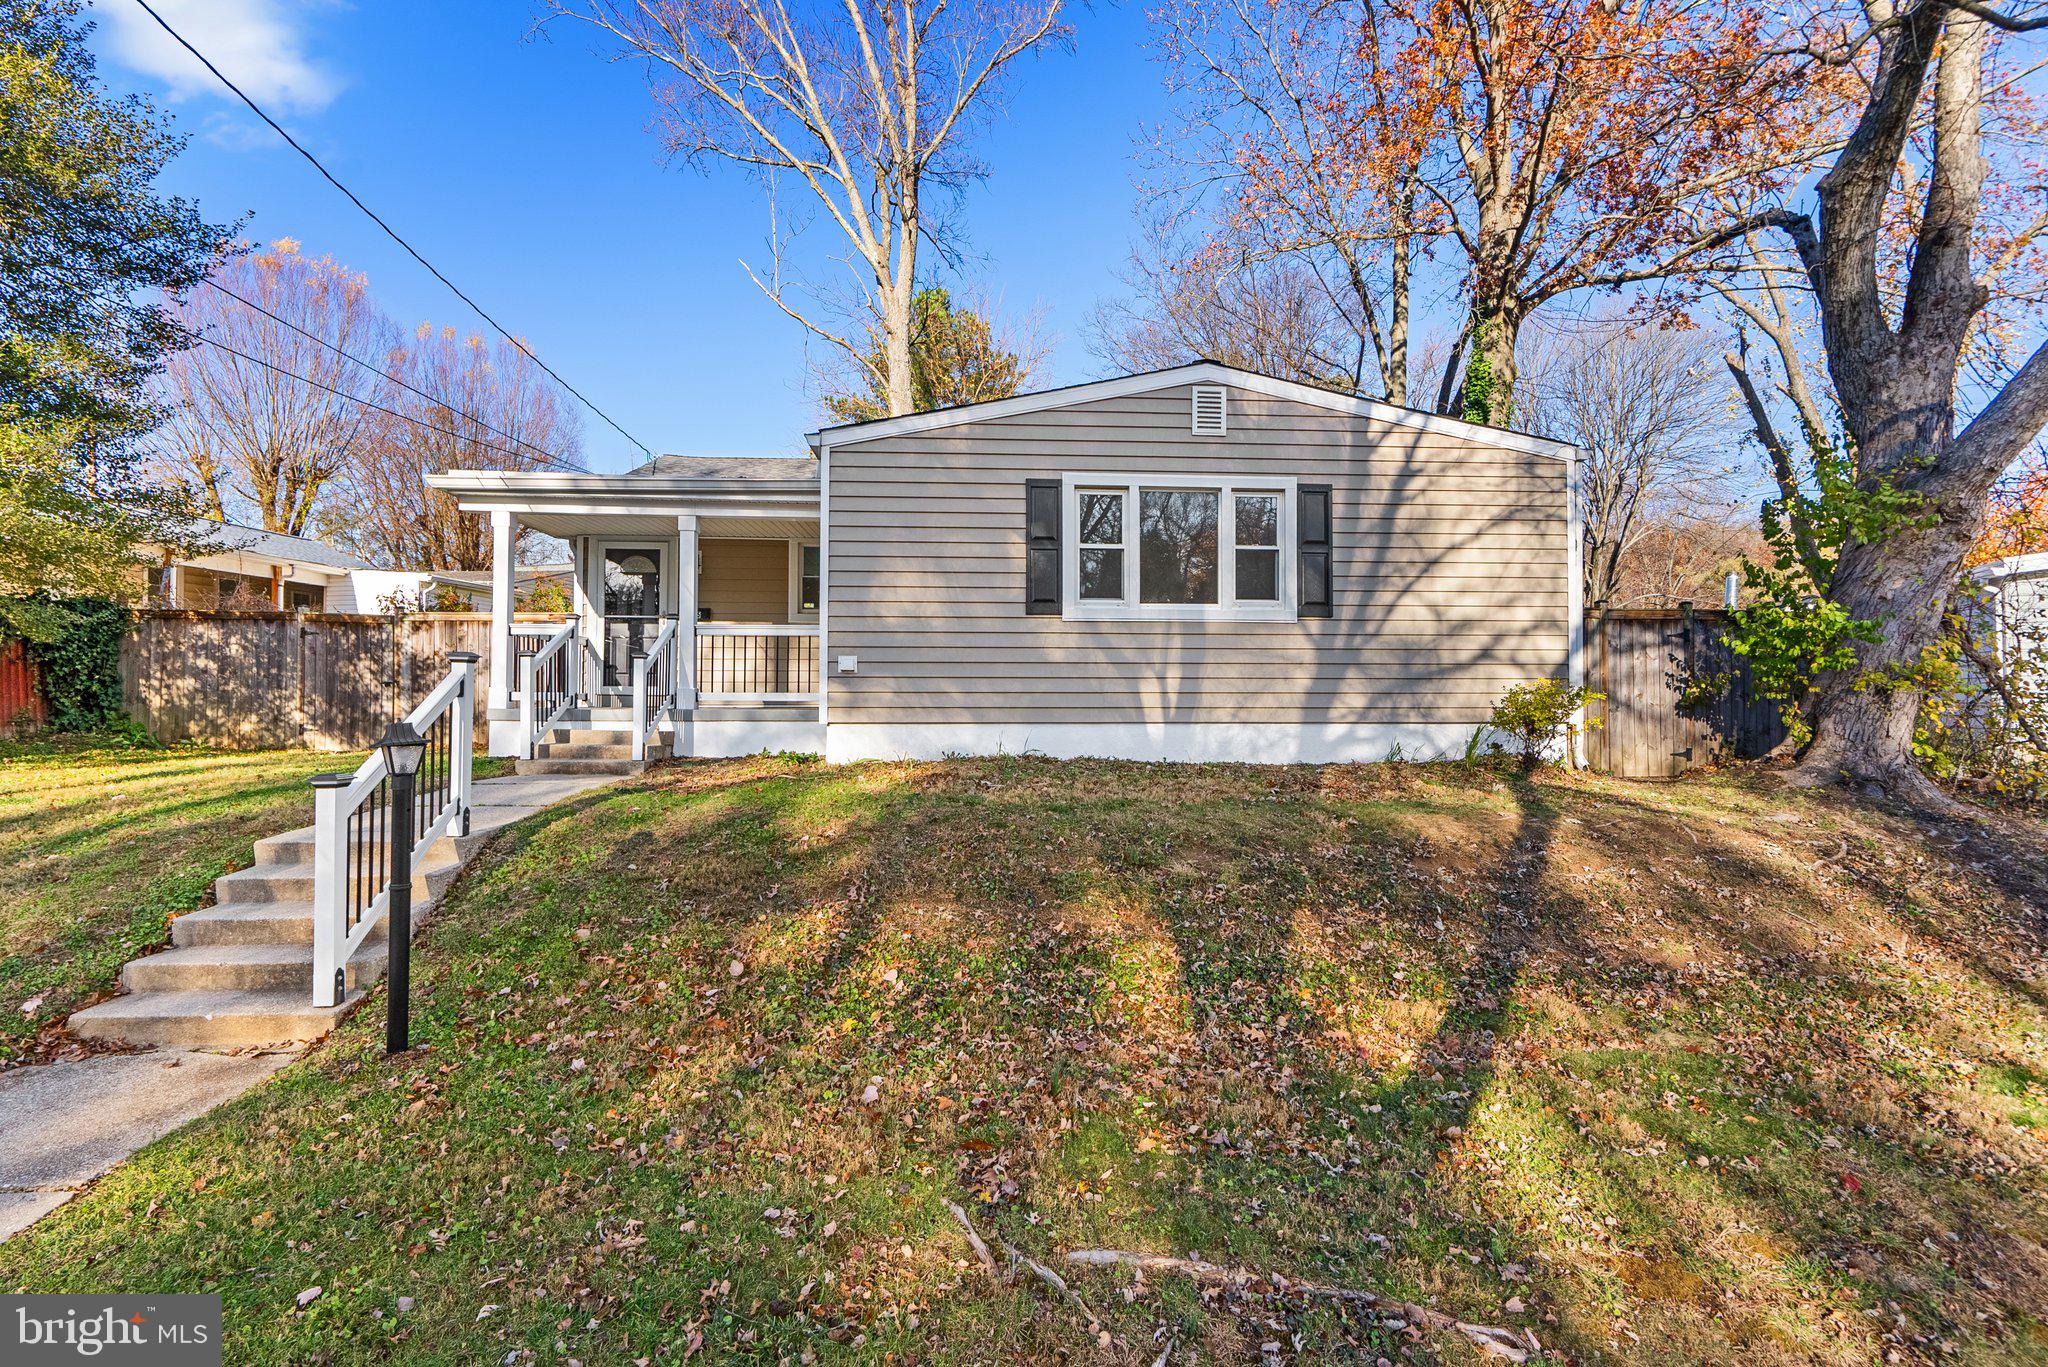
(548, 686)
(654, 686)
(353, 823)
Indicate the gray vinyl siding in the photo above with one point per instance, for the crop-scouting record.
(1451, 575)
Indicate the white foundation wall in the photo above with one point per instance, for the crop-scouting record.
(1251, 743)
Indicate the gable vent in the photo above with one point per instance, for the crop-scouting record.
(1210, 417)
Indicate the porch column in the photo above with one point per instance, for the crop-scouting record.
(686, 612)
(503, 529)
(589, 672)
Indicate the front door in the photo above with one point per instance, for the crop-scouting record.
(633, 597)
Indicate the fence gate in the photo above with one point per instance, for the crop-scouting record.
(1645, 661)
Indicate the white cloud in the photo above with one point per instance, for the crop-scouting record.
(257, 44)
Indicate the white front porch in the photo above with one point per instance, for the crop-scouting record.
(692, 632)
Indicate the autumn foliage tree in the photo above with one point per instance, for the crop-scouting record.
(1289, 106)
(2017, 523)
(1559, 145)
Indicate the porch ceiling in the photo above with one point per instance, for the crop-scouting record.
(661, 527)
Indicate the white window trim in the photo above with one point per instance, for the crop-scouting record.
(796, 579)
(1227, 485)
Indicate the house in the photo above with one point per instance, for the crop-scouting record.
(248, 567)
(2016, 590)
(1194, 563)
(470, 590)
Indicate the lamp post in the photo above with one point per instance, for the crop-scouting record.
(404, 747)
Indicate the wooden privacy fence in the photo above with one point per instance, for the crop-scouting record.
(255, 680)
(1676, 696)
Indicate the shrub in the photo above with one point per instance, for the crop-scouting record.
(547, 596)
(1539, 716)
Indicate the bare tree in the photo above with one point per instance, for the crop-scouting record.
(1686, 557)
(1895, 344)
(1273, 317)
(1647, 409)
(269, 407)
(1285, 106)
(867, 106)
(467, 404)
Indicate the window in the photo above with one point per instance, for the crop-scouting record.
(312, 597)
(1102, 545)
(1258, 548)
(1177, 546)
(1171, 546)
(809, 583)
(632, 582)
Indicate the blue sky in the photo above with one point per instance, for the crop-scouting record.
(524, 169)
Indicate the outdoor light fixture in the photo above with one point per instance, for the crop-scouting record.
(403, 748)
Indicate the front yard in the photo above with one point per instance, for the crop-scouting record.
(1686, 1073)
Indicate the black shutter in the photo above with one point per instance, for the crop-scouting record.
(1042, 547)
(1312, 535)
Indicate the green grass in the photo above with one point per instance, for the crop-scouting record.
(101, 844)
(1666, 1074)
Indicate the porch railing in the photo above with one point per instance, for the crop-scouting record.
(548, 685)
(757, 663)
(353, 823)
(657, 679)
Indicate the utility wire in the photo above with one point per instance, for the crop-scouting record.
(546, 455)
(354, 398)
(389, 231)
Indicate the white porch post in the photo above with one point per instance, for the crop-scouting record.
(502, 531)
(586, 619)
(686, 624)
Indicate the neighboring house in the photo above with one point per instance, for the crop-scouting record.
(2017, 588)
(1197, 563)
(471, 589)
(249, 567)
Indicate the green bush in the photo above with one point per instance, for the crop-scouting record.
(1539, 715)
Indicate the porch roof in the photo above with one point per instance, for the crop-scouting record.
(732, 491)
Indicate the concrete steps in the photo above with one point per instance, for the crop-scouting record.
(219, 1018)
(587, 747)
(261, 967)
(239, 974)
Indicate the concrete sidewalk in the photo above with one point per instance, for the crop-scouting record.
(64, 1124)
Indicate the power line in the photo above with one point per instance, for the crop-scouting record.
(389, 231)
(545, 454)
(352, 398)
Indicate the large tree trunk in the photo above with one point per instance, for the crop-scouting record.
(1864, 718)
(1896, 384)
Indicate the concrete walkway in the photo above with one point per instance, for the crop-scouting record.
(64, 1124)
